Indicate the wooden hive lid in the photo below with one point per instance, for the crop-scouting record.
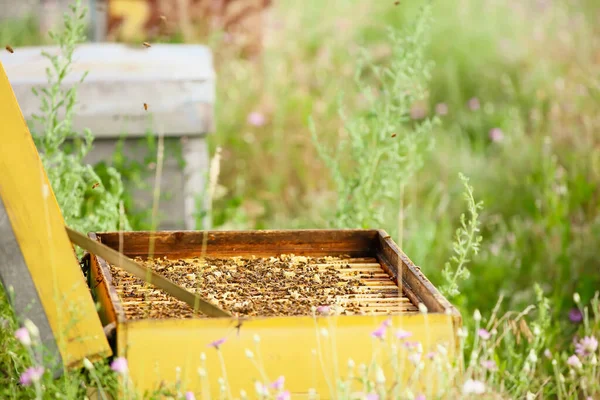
(36, 257)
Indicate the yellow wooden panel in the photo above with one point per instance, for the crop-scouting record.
(155, 349)
(39, 229)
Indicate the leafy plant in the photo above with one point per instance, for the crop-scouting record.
(384, 146)
(86, 203)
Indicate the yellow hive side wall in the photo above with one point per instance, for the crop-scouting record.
(39, 229)
(156, 348)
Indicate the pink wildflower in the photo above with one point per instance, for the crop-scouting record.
(490, 365)
(22, 334)
(586, 346)
(189, 396)
(420, 397)
(574, 361)
(379, 333)
(484, 334)
(496, 135)
(256, 119)
(285, 395)
(372, 396)
(401, 334)
(323, 309)
(31, 374)
(119, 365)
(474, 104)
(278, 384)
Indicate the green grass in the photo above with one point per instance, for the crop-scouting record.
(535, 71)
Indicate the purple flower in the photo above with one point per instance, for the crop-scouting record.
(575, 315)
(441, 109)
(496, 135)
(574, 361)
(119, 365)
(278, 384)
(31, 374)
(379, 333)
(285, 395)
(23, 335)
(420, 397)
(430, 355)
(372, 396)
(484, 334)
(410, 345)
(474, 104)
(401, 334)
(189, 396)
(255, 118)
(418, 112)
(490, 365)
(217, 343)
(586, 346)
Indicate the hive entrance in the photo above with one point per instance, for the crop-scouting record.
(264, 286)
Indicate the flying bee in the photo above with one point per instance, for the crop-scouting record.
(9, 49)
(393, 135)
(146, 44)
(95, 185)
(146, 106)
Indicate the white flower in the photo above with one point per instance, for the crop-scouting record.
(473, 387)
(256, 338)
(530, 396)
(88, 364)
(324, 332)
(379, 376)
(532, 357)
(477, 315)
(576, 298)
(33, 330)
(351, 363)
(249, 353)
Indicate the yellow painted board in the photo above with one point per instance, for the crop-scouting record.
(294, 347)
(38, 226)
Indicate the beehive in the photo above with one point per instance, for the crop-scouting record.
(370, 280)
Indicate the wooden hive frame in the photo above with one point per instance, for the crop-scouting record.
(177, 342)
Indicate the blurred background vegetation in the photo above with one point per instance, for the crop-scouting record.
(515, 87)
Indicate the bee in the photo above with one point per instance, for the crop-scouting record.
(146, 44)
(393, 135)
(396, 3)
(146, 106)
(95, 185)
(9, 49)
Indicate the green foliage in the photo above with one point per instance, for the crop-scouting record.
(85, 205)
(467, 241)
(383, 148)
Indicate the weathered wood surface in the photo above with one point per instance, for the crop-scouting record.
(38, 228)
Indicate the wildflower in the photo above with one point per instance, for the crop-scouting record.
(575, 315)
(22, 334)
(586, 346)
(490, 365)
(255, 118)
(474, 104)
(323, 309)
(324, 332)
(532, 357)
(31, 374)
(278, 384)
(119, 365)
(372, 396)
(574, 362)
(285, 395)
(256, 338)
(410, 345)
(189, 396)
(430, 355)
(418, 111)
(401, 334)
(415, 358)
(441, 109)
(477, 315)
(423, 308)
(249, 353)
(530, 396)
(496, 135)
(548, 354)
(379, 333)
(351, 363)
(379, 376)
(473, 387)
(420, 397)
(484, 334)
(217, 343)
(576, 298)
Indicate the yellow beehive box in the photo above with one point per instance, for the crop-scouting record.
(163, 340)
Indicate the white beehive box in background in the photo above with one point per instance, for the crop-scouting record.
(176, 81)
